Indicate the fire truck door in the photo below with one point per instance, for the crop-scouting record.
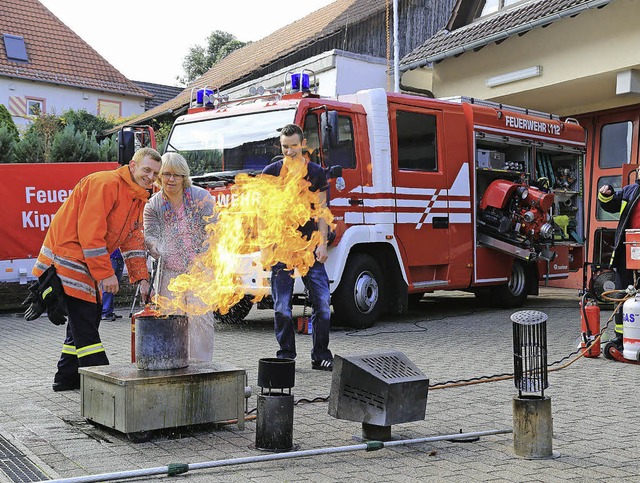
(345, 192)
(420, 186)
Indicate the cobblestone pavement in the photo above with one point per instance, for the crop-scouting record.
(449, 337)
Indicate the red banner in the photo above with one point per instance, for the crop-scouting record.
(32, 193)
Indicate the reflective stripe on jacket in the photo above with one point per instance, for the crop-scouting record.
(104, 212)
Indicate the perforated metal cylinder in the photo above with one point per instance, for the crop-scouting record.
(530, 351)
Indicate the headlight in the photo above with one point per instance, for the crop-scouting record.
(522, 192)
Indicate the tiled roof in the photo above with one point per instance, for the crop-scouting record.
(496, 27)
(56, 54)
(291, 38)
(161, 93)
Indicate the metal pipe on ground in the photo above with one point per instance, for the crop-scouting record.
(179, 468)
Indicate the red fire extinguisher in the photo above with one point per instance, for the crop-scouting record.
(590, 327)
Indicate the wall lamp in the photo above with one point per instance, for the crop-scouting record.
(516, 75)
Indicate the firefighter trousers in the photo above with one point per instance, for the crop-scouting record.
(82, 346)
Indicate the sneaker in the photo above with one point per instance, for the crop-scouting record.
(111, 317)
(323, 365)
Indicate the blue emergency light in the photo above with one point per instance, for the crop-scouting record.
(295, 82)
(203, 95)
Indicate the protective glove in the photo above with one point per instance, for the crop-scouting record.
(36, 307)
(47, 294)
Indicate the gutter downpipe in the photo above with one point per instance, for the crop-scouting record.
(179, 468)
(396, 49)
(503, 35)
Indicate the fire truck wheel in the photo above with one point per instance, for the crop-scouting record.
(357, 302)
(237, 313)
(513, 293)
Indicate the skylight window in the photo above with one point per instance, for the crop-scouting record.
(15, 47)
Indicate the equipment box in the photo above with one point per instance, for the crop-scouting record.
(490, 159)
(131, 400)
(632, 245)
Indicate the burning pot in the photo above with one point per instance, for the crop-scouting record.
(162, 342)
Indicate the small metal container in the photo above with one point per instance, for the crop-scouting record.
(162, 342)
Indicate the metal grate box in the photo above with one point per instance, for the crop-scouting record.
(131, 400)
(378, 389)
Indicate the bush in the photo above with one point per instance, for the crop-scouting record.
(31, 148)
(85, 122)
(162, 130)
(7, 120)
(71, 145)
(108, 149)
(7, 145)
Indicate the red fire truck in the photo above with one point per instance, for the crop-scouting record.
(427, 194)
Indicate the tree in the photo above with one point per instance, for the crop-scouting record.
(8, 145)
(7, 120)
(85, 122)
(200, 59)
(71, 145)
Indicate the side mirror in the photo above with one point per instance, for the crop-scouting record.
(329, 129)
(126, 146)
(334, 171)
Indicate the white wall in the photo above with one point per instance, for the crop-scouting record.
(337, 72)
(355, 73)
(61, 98)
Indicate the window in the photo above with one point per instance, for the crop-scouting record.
(416, 137)
(615, 144)
(35, 106)
(109, 109)
(603, 241)
(342, 153)
(616, 183)
(15, 47)
(492, 6)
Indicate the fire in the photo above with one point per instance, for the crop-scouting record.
(251, 234)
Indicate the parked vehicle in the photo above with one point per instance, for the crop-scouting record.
(427, 194)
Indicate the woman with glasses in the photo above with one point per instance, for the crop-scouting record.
(174, 232)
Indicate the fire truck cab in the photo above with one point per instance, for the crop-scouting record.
(427, 194)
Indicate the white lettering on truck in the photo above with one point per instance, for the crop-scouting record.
(531, 125)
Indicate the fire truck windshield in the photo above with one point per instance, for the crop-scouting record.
(246, 142)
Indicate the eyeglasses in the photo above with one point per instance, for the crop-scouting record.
(172, 175)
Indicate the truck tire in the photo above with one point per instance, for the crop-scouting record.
(514, 292)
(358, 300)
(237, 313)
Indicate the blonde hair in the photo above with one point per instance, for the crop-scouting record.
(142, 153)
(175, 163)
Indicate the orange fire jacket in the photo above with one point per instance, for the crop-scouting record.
(104, 212)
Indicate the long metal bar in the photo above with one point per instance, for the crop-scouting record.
(183, 468)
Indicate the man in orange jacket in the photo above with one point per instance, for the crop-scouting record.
(104, 212)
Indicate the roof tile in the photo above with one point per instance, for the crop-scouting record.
(507, 22)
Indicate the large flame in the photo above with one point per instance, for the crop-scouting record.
(252, 233)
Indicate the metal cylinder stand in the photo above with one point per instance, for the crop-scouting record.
(274, 421)
(532, 422)
(375, 432)
(532, 427)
